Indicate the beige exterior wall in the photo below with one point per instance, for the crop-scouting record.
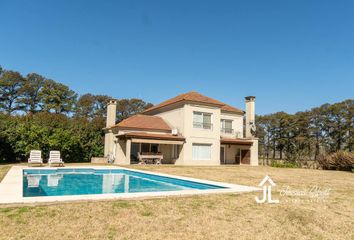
(181, 118)
(121, 156)
(254, 153)
(237, 125)
(174, 118)
(200, 136)
(108, 142)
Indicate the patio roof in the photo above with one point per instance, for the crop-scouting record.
(237, 141)
(144, 122)
(153, 138)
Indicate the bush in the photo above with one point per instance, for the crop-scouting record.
(284, 165)
(78, 139)
(340, 160)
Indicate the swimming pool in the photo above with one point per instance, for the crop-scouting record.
(87, 181)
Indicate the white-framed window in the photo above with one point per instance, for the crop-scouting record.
(202, 120)
(201, 151)
(226, 126)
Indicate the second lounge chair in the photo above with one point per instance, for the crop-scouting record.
(54, 158)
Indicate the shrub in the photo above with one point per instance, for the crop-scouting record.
(284, 165)
(340, 160)
(78, 139)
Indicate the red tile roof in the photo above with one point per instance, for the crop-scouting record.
(229, 108)
(144, 122)
(195, 97)
(153, 136)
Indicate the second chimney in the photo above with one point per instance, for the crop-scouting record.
(250, 115)
(111, 113)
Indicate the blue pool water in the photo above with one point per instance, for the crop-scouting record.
(80, 181)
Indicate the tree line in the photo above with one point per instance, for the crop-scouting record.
(305, 136)
(40, 113)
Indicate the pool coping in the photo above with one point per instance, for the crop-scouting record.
(11, 187)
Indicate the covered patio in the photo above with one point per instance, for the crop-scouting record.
(235, 151)
(142, 148)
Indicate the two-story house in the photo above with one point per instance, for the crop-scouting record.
(190, 129)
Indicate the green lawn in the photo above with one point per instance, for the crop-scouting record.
(227, 216)
(3, 171)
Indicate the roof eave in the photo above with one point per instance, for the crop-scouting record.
(234, 112)
(143, 129)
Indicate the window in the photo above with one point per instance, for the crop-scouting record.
(154, 148)
(134, 153)
(202, 120)
(201, 151)
(226, 126)
(147, 147)
(175, 151)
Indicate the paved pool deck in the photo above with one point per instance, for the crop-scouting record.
(11, 188)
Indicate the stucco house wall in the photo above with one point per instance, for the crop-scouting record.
(179, 115)
(237, 124)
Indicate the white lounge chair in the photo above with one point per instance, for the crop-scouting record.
(54, 158)
(35, 157)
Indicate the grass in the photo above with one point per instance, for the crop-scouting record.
(226, 216)
(3, 170)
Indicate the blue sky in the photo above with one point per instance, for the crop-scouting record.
(292, 55)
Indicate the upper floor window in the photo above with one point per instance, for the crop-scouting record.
(202, 120)
(226, 126)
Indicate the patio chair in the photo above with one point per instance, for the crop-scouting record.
(54, 158)
(35, 157)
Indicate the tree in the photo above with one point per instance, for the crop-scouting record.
(91, 106)
(11, 84)
(263, 132)
(31, 92)
(101, 105)
(57, 97)
(348, 115)
(85, 106)
(129, 107)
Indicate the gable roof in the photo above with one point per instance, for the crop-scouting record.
(229, 108)
(195, 97)
(144, 122)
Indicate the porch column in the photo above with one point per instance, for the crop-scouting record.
(128, 151)
(254, 152)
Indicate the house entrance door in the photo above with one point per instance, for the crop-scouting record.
(245, 156)
(222, 154)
